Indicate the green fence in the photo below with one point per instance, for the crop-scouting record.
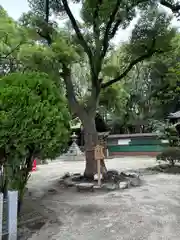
(135, 144)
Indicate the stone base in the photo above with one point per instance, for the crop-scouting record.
(114, 181)
(85, 187)
(110, 186)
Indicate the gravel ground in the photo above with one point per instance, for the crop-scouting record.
(47, 174)
(149, 212)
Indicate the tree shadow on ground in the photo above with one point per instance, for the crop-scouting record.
(89, 209)
(33, 216)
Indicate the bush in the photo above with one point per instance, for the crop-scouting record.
(170, 155)
(34, 122)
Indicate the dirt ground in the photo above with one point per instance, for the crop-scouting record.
(149, 212)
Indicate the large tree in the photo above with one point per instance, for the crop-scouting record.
(93, 36)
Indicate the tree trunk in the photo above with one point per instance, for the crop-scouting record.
(25, 173)
(88, 121)
(91, 140)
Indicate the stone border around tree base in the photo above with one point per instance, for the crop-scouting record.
(114, 181)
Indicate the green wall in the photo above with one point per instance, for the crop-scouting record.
(135, 143)
(136, 148)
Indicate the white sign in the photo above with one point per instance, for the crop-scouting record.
(124, 141)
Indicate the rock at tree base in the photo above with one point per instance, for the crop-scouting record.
(76, 174)
(68, 182)
(134, 179)
(135, 182)
(61, 181)
(77, 177)
(97, 187)
(114, 176)
(131, 174)
(110, 186)
(122, 180)
(112, 172)
(66, 175)
(52, 191)
(85, 187)
(123, 185)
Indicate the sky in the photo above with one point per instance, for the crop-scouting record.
(15, 10)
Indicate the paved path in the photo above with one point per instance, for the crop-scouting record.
(149, 212)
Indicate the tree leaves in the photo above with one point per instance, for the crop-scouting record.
(152, 32)
(12, 36)
(32, 113)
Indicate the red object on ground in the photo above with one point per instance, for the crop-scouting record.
(34, 167)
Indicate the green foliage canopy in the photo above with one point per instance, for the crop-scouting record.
(33, 116)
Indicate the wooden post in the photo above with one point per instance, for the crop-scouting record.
(99, 171)
(99, 155)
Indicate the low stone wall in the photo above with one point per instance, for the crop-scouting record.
(147, 144)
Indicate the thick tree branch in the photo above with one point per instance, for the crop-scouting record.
(46, 36)
(174, 7)
(149, 54)
(119, 20)
(73, 103)
(96, 33)
(82, 41)
(13, 50)
(115, 28)
(66, 74)
(47, 11)
(96, 29)
(77, 30)
(108, 29)
(45, 32)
